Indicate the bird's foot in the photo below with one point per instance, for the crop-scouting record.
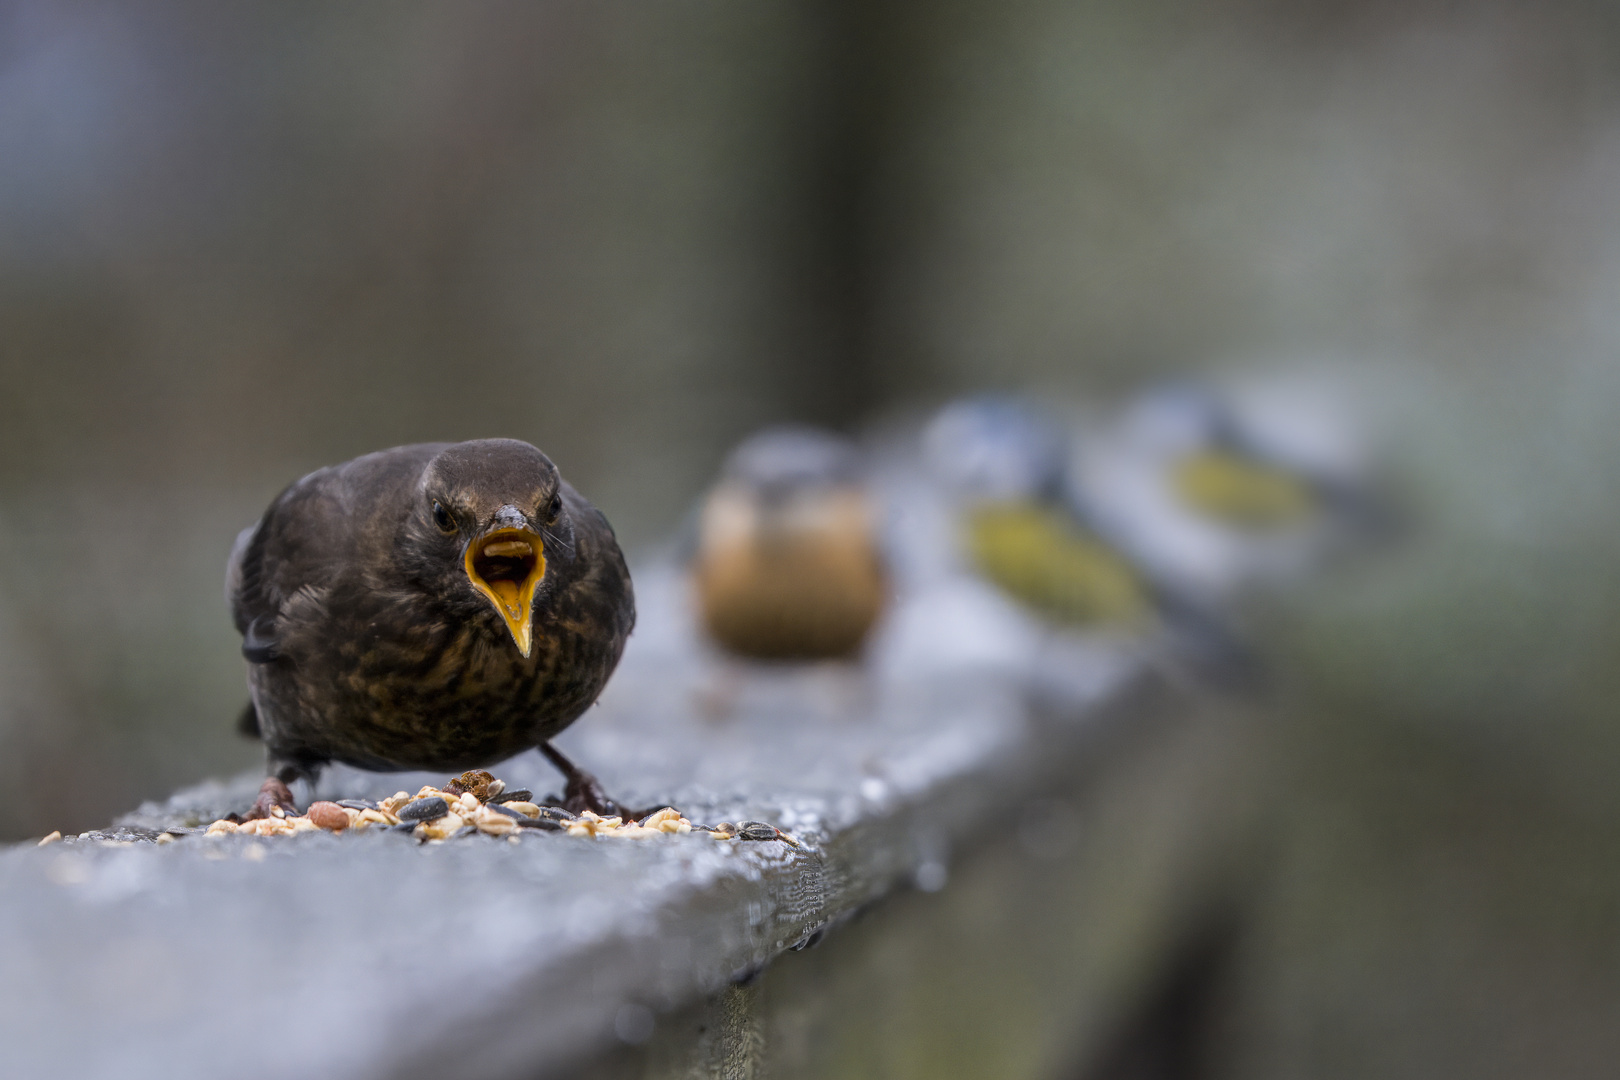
(584, 792)
(273, 795)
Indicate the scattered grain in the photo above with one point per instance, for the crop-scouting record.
(474, 802)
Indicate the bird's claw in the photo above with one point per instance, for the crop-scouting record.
(273, 795)
(584, 792)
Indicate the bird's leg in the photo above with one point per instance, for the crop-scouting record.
(273, 793)
(583, 791)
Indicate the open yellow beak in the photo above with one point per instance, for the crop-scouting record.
(507, 565)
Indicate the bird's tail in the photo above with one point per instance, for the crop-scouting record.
(1209, 645)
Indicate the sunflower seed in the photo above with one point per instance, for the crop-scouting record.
(429, 809)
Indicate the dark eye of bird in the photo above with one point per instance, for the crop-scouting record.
(442, 518)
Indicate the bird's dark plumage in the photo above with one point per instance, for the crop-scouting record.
(437, 606)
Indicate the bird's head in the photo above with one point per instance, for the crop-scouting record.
(780, 461)
(1183, 416)
(996, 448)
(491, 515)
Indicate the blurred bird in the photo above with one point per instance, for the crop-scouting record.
(1030, 531)
(787, 565)
(1004, 461)
(1217, 466)
(1043, 557)
(1211, 496)
(437, 606)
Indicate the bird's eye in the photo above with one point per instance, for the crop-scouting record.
(554, 507)
(442, 517)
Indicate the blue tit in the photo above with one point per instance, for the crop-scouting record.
(1040, 555)
(1211, 492)
(787, 565)
(1004, 462)
(1217, 467)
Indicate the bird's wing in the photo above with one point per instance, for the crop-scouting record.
(252, 610)
(243, 574)
(273, 560)
(315, 534)
(603, 581)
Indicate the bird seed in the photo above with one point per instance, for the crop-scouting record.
(473, 803)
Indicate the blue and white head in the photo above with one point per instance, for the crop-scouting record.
(1180, 417)
(1298, 428)
(997, 447)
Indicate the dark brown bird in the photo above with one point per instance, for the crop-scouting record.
(437, 606)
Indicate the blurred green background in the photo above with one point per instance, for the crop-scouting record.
(239, 242)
